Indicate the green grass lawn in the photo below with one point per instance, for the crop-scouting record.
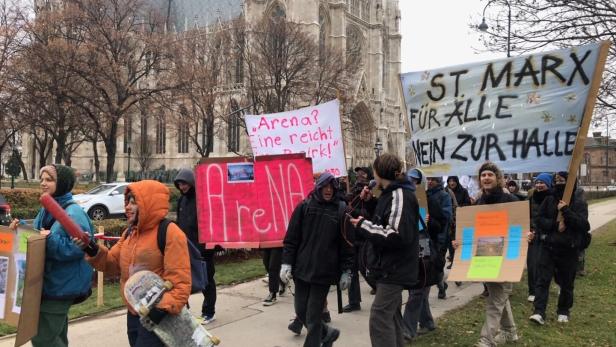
(593, 316)
(596, 201)
(226, 274)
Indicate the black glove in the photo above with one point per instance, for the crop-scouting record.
(156, 315)
(92, 248)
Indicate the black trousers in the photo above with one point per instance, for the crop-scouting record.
(309, 302)
(138, 336)
(534, 248)
(560, 265)
(354, 289)
(272, 260)
(208, 307)
(386, 324)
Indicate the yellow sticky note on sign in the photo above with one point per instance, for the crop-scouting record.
(485, 267)
(6, 242)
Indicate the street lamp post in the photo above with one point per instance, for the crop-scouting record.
(484, 26)
(128, 175)
(378, 147)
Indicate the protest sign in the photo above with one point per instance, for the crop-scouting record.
(21, 282)
(245, 204)
(523, 112)
(493, 244)
(313, 130)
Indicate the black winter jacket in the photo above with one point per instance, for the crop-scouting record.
(393, 236)
(186, 217)
(314, 245)
(576, 221)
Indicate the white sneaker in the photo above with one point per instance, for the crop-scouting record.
(562, 318)
(208, 319)
(531, 298)
(536, 318)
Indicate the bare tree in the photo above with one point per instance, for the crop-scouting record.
(124, 61)
(144, 155)
(541, 24)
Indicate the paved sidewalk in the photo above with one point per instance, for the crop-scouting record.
(242, 320)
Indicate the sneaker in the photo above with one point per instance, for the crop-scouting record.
(537, 318)
(481, 344)
(351, 308)
(506, 336)
(296, 326)
(207, 319)
(330, 337)
(372, 291)
(424, 330)
(283, 289)
(326, 317)
(563, 318)
(531, 298)
(449, 266)
(270, 300)
(458, 284)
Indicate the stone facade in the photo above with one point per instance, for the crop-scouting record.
(600, 161)
(368, 30)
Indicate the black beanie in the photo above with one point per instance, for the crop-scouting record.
(65, 181)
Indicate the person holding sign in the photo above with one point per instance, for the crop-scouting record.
(499, 326)
(561, 240)
(316, 254)
(68, 277)
(543, 188)
(392, 249)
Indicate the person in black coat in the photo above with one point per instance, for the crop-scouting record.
(392, 249)
(560, 245)
(316, 254)
(187, 221)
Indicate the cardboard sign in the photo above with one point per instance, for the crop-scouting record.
(313, 130)
(422, 200)
(521, 113)
(21, 283)
(493, 243)
(245, 204)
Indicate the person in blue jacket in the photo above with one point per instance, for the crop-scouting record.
(67, 277)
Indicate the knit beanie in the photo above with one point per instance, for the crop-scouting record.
(546, 178)
(63, 175)
(490, 166)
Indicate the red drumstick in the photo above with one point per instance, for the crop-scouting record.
(62, 217)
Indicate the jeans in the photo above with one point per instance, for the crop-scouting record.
(272, 260)
(309, 302)
(209, 293)
(138, 336)
(417, 310)
(386, 327)
(562, 267)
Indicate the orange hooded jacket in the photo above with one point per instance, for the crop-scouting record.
(140, 251)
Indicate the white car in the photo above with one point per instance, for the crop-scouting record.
(106, 200)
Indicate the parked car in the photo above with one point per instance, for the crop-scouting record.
(5, 211)
(104, 201)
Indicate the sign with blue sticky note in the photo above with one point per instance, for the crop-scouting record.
(492, 245)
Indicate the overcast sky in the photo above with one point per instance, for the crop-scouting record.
(436, 33)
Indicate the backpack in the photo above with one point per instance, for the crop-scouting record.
(198, 270)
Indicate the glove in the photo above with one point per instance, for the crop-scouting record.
(92, 248)
(156, 315)
(345, 280)
(285, 273)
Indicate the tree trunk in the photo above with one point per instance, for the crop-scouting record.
(61, 146)
(97, 163)
(111, 148)
(23, 169)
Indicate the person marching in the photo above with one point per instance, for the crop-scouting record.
(499, 326)
(561, 241)
(147, 204)
(187, 221)
(67, 279)
(392, 237)
(542, 189)
(316, 255)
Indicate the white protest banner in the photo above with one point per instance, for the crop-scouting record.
(523, 113)
(313, 130)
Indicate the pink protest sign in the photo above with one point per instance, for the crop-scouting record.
(245, 204)
(313, 130)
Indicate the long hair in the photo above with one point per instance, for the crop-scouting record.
(389, 167)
